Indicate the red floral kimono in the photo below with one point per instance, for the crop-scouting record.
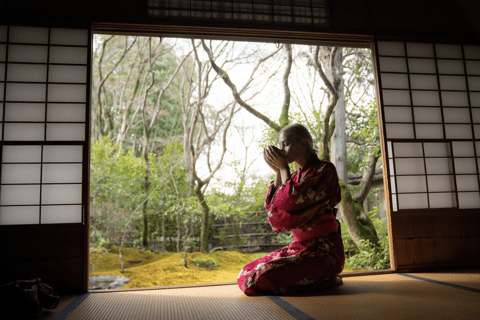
(304, 204)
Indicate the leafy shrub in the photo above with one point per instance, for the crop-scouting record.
(371, 257)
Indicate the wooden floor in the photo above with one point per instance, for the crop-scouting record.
(434, 295)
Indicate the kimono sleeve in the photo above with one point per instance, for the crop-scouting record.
(296, 204)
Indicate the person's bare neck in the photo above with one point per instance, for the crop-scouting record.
(301, 162)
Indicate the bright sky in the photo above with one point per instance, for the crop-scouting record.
(304, 85)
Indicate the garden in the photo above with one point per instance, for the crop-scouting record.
(177, 181)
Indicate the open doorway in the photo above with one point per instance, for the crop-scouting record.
(177, 177)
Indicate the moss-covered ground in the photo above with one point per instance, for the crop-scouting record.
(151, 269)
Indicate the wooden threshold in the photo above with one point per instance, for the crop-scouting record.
(346, 274)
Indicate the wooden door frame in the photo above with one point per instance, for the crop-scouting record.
(274, 36)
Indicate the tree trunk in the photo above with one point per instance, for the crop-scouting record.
(179, 232)
(359, 226)
(163, 233)
(147, 189)
(339, 138)
(204, 233)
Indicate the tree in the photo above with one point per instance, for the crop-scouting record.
(328, 62)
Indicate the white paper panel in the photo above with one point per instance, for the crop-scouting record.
(19, 215)
(24, 131)
(408, 149)
(25, 92)
(468, 200)
(458, 115)
(465, 165)
(3, 33)
(409, 166)
(473, 67)
(61, 214)
(59, 73)
(62, 194)
(439, 165)
(396, 81)
(437, 149)
(421, 66)
(449, 51)
(463, 149)
(28, 35)
(392, 183)
(27, 72)
(398, 114)
(474, 83)
(467, 183)
(418, 81)
(458, 131)
(394, 202)
(66, 93)
(21, 154)
(1, 112)
(430, 115)
(441, 183)
(20, 194)
(62, 154)
(390, 150)
(20, 173)
(413, 201)
(74, 55)
(69, 36)
(391, 48)
(442, 200)
(3, 50)
(66, 132)
(62, 173)
(453, 83)
(396, 97)
(2, 71)
(25, 53)
(476, 115)
(425, 98)
(411, 184)
(393, 64)
(477, 131)
(66, 112)
(392, 167)
(450, 66)
(471, 52)
(25, 112)
(1, 91)
(420, 50)
(429, 131)
(454, 99)
(399, 131)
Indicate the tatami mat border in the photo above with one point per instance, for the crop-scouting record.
(293, 311)
(62, 315)
(439, 282)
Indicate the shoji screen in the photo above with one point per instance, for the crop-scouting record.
(277, 12)
(44, 96)
(430, 104)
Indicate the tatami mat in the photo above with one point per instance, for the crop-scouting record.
(469, 279)
(439, 295)
(219, 302)
(65, 300)
(389, 296)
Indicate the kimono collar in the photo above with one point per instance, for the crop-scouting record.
(313, 161)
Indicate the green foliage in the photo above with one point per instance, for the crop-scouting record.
(96, 255)
(205, 262)
(371, 256)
